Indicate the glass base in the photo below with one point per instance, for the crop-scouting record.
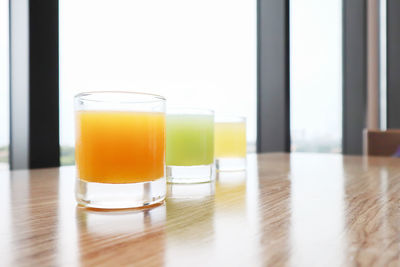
(189, 191)
(230, 164)
(120, 196)
(190, 174)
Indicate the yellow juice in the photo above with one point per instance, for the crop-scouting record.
(120, 147)
(230, 139)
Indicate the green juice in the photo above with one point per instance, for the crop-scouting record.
(190, 140)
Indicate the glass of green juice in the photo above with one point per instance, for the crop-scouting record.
(190, 145)
(230, 143)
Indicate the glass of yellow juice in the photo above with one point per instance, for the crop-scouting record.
(120, 149)
(230, 143)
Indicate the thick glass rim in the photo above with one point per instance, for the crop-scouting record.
(189, 111)
(92, 96)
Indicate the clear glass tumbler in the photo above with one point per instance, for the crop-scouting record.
(190, 145)
(120, 149)
(230, 143)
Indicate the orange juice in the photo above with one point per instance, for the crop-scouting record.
(120, 147)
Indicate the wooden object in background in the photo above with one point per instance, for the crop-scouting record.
(290, 210)
(381, 143)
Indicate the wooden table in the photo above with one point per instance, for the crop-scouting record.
(297, 210)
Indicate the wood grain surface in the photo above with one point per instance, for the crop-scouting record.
(286, 210)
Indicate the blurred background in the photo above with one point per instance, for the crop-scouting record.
(200, 54)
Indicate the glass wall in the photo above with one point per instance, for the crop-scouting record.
(195, 53)
(316, 75)
(4, 84)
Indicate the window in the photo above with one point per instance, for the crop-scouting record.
(195, 53)
(4, 84)
(316, 75)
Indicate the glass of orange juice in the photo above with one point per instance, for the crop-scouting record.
(120, 149)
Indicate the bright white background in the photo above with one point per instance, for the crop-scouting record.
(195, 53)
(316, 75)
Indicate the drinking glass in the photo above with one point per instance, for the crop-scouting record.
(190, 191)
(120, 149)
(230, 143)
(190, 145)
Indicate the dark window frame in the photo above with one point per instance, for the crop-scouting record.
(34, 105)
(354, 75)
(393, 64)
(273, 79)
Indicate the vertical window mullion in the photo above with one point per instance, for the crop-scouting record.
(393, 64)
(354, 74)
(273, 129)
(34, 131)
